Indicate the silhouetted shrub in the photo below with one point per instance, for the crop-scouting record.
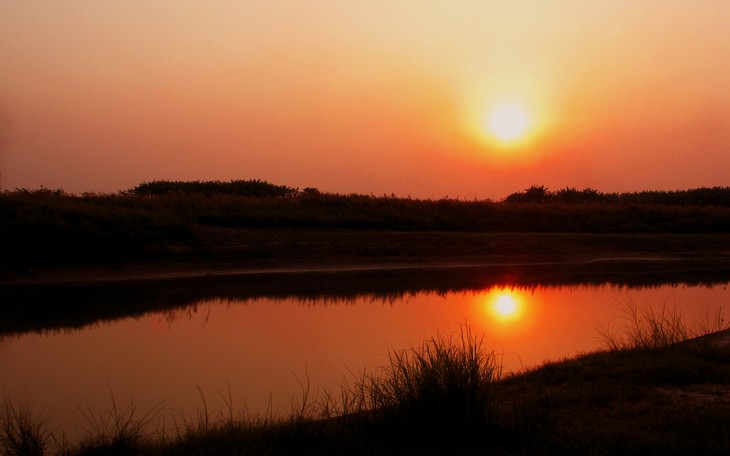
(253, 187)
(715, 196)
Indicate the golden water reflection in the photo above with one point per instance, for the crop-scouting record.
(507, 307)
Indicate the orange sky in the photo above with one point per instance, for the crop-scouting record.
(365, 96)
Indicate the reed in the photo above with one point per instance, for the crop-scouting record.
(650, 327)
(119, 430)
(448, 384)
(21, 432)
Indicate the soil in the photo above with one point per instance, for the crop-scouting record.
(222, 251)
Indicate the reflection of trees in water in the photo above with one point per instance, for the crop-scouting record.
(66, 307)
(170, 316)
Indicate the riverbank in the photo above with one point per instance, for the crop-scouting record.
(239, 251)
(246, 264)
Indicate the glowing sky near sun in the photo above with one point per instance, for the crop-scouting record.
(365, 96)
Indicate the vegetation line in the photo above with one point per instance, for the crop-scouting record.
(53, 227)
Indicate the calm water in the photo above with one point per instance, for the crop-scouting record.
(261, 349)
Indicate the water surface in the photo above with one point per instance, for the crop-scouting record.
(258, 352)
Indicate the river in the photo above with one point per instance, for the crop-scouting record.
(259, 352)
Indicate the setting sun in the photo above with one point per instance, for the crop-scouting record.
(508, 123)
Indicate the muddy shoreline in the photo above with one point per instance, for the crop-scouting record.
(258, 254)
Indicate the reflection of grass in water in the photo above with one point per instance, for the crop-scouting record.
(448, 397)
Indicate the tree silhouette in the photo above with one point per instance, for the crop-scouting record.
(534, 194)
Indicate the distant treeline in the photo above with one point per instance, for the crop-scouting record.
(43, 224)
(715, 196)
(255, 187)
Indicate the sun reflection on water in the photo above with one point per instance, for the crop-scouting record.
(505, 306)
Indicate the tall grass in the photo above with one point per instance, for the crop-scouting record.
(21, 432)
(448, 383)
(651, 327)
(120, 430)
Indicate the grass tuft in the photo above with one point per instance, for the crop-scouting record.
(22, 433)
(447, 386)
(118, 430)
(649, 327)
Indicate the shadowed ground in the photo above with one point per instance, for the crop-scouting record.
(225, 251)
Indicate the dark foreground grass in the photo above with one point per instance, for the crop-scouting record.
(449, 396)
(22, 433)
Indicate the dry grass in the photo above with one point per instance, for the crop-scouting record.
(448, 380)
(21, 432)
(119, 430)
(649, 327)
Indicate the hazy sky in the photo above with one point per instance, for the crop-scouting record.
(376, 96)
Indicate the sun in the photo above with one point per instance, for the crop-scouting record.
(508, 123)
